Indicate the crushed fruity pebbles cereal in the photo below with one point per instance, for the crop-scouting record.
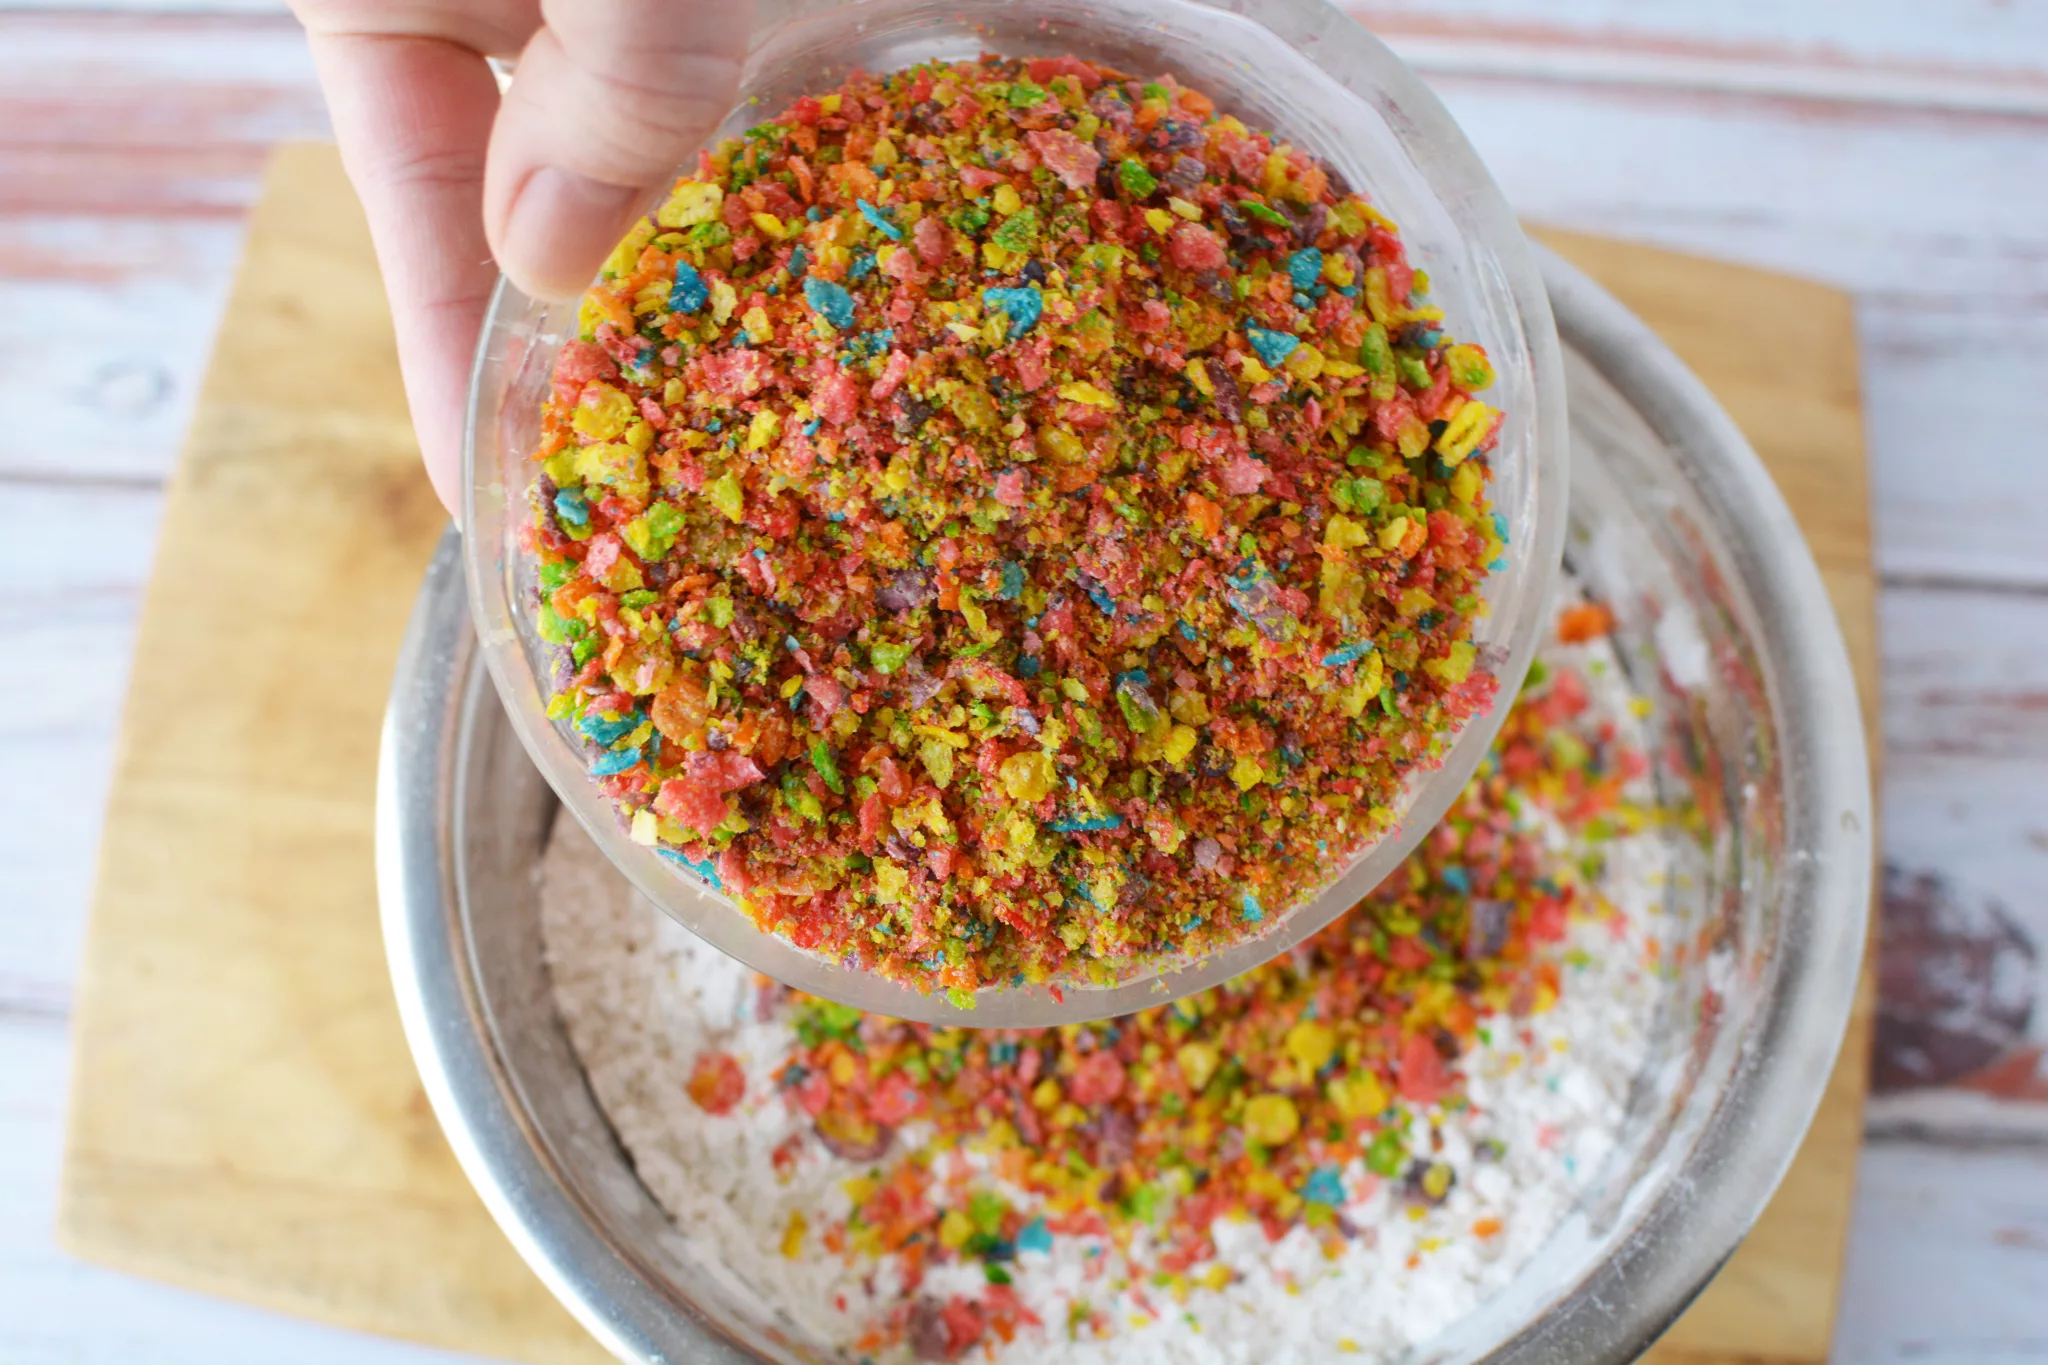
(1340, 1152)
(1006, 519)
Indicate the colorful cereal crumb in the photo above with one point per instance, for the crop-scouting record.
(1007, 521)
(1279, 1098)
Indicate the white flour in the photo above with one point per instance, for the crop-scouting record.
(642, 998)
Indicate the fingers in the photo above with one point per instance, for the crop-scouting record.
(413, 116)
(611, 98)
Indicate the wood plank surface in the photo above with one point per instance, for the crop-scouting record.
(131, 136)
(246, 1119)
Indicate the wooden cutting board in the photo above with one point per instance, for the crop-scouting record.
(246, 1118)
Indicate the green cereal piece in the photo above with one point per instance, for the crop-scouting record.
(652, 533)
(1018, 231)
(1375, 353)
(827, 765)
(1263, 212)
(1414, 371)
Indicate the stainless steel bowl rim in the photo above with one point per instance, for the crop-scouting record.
(1621, 1306)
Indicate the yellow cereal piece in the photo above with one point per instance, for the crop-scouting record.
(693, 202)
(1415, 601)
(1455, 666)
(761, 432)
(727, 496)
(1007, 200)
(1159, 220)
(1247, 773)
(1198, 375)
(1270, 1119)
(616, 465)
(625, 257)
(769, 226)
(1304, 362)
(1393, 533)
(1080, 391)
(1312, 1044)
(1198, 1062)
(1465, 431)
(1466, 484)
(645, 831)
(793, 1235)
(1378, 301)
(603, 412)
(1180, 743)
(943, 735)
(1342, 533)
(1254, 372)
(1181, 207)
(975, 409)
(1359, 1095)
(1027, 776)
(1413, 438)
(955, 1228)
(891, 881)
(724, 301)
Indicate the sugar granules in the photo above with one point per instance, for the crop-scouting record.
(646, 1003)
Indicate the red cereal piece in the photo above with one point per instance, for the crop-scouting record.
(716, 1083)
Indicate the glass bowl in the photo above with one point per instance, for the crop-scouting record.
(1724, 627)
(1299, 68)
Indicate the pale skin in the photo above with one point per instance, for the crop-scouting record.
(612, 97)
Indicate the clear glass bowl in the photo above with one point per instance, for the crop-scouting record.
(1723, 625)
(1299, 68)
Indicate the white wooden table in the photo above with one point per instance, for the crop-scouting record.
(1896, 148)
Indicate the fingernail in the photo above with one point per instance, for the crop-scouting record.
(559, 230)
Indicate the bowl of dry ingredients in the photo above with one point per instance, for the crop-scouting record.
(1518, 1104)
(1038, 518)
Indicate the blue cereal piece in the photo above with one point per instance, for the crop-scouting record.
(1305, 267)
(799, 262)
(600, 727)
(1253, 911)
(1273, 347)
(689, 292)
(1324, 1186)
(1350, 654)
(613, 762)
(572, 507)
(1010, 582)
(704, 869)
(1023, 306)
(880, 220)
(1034, 1236)
(1457, 878)
(1085, 824)
(829, 301)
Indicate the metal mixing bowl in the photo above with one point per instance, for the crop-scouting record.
(1723, 625)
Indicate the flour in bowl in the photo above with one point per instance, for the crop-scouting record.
(1341, 1152)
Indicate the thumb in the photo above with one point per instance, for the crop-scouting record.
(610, 99)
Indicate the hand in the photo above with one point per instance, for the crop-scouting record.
(612, 97)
